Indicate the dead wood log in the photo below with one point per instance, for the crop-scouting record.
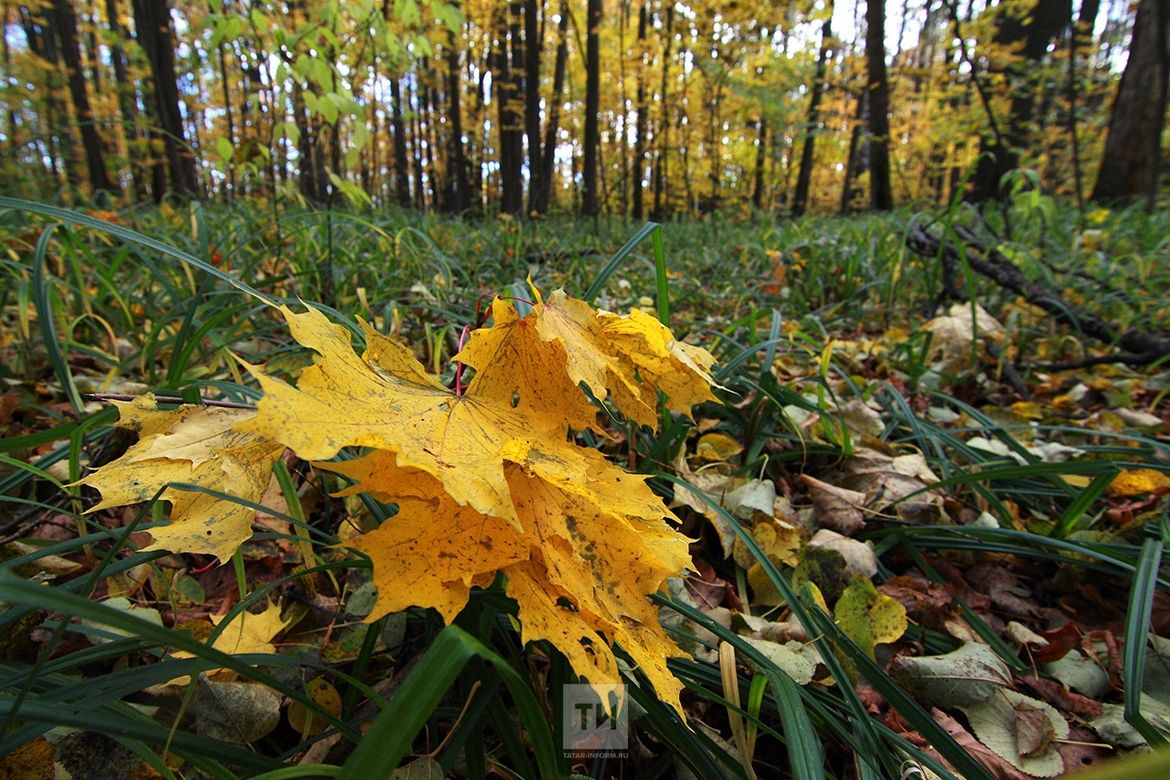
(1136, 347)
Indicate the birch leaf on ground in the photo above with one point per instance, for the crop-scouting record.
(969, 675)
(196, 445)
(869, 618)
(1021, 730)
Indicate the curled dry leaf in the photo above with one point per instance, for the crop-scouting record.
(837, 508)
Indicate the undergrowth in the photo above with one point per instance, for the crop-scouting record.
(805, 318)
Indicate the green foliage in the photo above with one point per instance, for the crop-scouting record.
(152, 307)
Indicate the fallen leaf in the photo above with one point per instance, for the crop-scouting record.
(1020, 729)
(717, 448)
(322, 692)
(869, 618)
(240, 712)
(968, 675)
(246, 634)
(860, 559)
(1136, 482)
(837, 508)
(197, 445)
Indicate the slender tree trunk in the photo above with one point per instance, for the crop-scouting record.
(881, 195)
(42, 41)
(1133, 148)
(152, 19)
(401, 170)
(510, 123)
(856, 160)
(640, 122)
(589, 202)
(231, 124)
(1030, 30)
(532, 51)
(457, 164)
(415, 100)
(65, 24)
(761, 159)
(548, 163)
(804, 177)
(663, 134)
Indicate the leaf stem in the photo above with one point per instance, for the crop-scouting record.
(458, 364)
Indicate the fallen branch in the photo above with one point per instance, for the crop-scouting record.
(1137, 347)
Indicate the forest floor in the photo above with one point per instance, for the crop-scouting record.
(956, 508)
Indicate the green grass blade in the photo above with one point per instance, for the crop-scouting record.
(389, 738)
(46, 318)
(805, 754)
(1137, 627)
(603, 276)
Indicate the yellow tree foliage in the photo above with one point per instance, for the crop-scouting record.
(487, 477)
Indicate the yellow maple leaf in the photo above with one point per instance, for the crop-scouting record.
(197, 445)
(525, 361)
(487, 481)
(647, 349)
(385, 399)
(432, 551)
(248, 633)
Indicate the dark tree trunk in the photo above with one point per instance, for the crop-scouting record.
(65, 24)
(401, 169)
(857, 160)
(804, 177)
(640, 123)
(663, 134)
(457, 164)
(152, 18)
(880, 193)
(532, 47)
(1129, 167)
(227, 110)
(548, 160)
(510, 123)
(1029, 30)
(127, 102)
(761, 159)
(592, 107)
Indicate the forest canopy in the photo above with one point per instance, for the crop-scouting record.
(639, 109)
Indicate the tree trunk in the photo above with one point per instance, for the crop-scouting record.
(152, 18)
(857, 158)
(532, 51)
(880, 193)
(1129, 167)
(761, 159)
(1028, 30)
(401, 170)
(548, 161)
(457, 165)
(663, 134)
(42, 41)
(592, 106)
(510, 123)
(640, 106)
(65, 24)
(804, 177)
